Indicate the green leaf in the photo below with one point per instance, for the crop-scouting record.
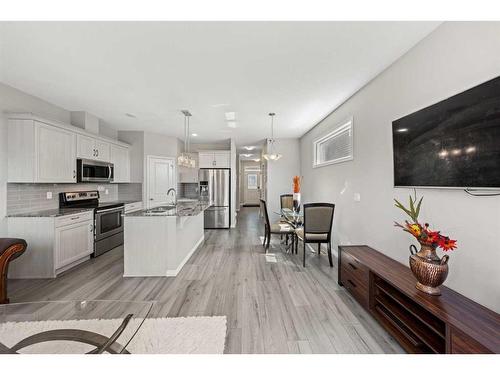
(418, 206)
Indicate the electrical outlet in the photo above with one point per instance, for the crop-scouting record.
(49, 195)
(100, 188)
(106, 191)
(357, 197)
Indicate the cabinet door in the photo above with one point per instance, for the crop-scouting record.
(222, 160)
(206, 160)
(121, 161)
(103, 150)
(56, 154)
(85, 147)
(73, 242)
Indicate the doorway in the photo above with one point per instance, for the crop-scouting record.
(252, 180)
(160, 176)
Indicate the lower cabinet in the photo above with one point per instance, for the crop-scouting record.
(73, 242)
(55, 244)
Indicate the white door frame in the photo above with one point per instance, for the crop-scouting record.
(147, 172)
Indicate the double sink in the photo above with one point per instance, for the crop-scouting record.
(169, 210)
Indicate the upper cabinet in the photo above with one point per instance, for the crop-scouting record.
(92, 148)
(215, 159)
(43, 151)
(40, 153)
(121, 161)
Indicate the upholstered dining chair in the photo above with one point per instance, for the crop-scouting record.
(277, 228)
(317, 227)
(10, 249)
(286, 201)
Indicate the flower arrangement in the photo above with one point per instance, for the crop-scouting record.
(296, 184)
(422, 233)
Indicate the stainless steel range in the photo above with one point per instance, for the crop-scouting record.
(108, 218)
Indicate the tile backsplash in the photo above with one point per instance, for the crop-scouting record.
(188, 190)
(33, 197)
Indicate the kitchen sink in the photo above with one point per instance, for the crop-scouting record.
(160, 209)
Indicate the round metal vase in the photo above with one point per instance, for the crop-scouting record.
(428, 269)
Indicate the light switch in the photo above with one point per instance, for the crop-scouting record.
(49, 195)
(357, 197)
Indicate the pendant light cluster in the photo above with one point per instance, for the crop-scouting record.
(271, 154)
(184, 159)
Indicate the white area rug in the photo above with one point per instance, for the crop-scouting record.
(190, 335)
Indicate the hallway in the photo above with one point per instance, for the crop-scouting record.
(272, 304)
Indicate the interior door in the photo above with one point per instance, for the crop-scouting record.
(161, 177)
(252, 187)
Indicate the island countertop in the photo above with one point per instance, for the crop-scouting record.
(181, 209)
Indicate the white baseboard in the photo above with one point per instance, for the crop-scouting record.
(178, 269)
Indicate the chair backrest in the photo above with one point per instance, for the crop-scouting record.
(286, 201)
(263, 209)
(318, 218)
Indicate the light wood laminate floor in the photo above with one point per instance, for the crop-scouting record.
(271, 307)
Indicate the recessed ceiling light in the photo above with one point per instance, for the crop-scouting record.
(249, 148)
(194, 135)
(130, 115)
(402, 130)
(231, 124)
(246, 155)
(230, 116)
(256, 160)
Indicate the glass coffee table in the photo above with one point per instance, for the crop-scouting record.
(72, 327)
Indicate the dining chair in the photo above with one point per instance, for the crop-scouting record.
(277, 228)
(317, 227)
(286, 201)
(10, 249)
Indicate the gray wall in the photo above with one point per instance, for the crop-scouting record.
(455, 57)
(280, 174)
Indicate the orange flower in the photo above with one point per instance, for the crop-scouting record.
(447, 244)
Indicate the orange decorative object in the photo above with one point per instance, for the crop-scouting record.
(296, 184)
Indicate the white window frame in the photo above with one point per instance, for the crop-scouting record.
(340, 127)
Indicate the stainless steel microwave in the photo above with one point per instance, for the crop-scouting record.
(94, 171)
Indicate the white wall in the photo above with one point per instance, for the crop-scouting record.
(280, 174)
(13, 100)
(234, 184)
(455, 57)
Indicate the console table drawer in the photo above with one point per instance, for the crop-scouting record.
(355, 267)
(355, 286)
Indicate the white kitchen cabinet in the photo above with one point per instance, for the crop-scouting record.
(93, 148)
(55, 244)
(103, 150)
(121, 160)
(215, 159)
(38, 152)
(85, 147)
(73, 242)
(45, 151)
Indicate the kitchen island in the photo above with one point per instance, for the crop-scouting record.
(159, 241)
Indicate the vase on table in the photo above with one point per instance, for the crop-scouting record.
(429, 270)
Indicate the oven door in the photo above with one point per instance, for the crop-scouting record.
(108, 222)
(94, 171)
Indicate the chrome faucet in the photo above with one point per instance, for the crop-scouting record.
(175, 194)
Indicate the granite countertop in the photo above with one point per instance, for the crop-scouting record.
(181, 209)
(52, 213)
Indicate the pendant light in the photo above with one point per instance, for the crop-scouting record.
(271, 154)
(184, 159)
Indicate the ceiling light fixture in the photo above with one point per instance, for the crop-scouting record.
(231, 124)
(194, 135)
(230, 116)
(246, 155)
(271, 154)
(249, 148)
(184, 159)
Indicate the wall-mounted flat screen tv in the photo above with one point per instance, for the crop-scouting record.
(453, 144)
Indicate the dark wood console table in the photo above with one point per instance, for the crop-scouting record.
(450, 323)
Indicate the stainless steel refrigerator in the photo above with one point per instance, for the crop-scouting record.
(215, 188)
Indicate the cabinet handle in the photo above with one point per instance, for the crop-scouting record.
(352, 266)
(76, 217)
(74, 173)
(350, 282)
(97, 153)
(91, 228)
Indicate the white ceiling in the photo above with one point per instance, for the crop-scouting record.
(300, 70)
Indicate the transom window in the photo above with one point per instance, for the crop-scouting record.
(334, 147)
